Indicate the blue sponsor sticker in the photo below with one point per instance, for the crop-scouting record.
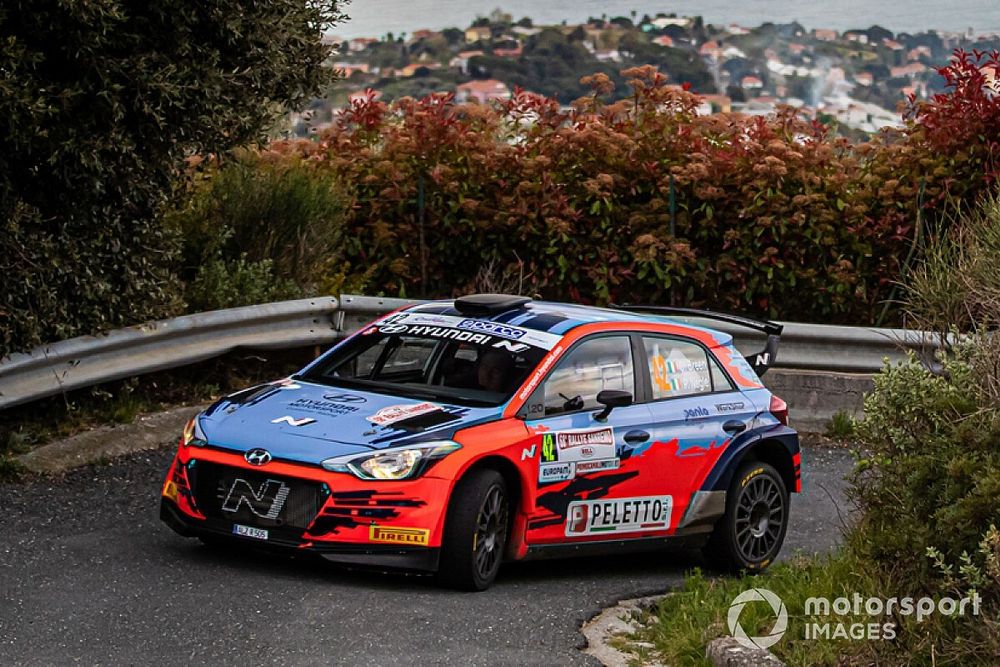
(495, 328)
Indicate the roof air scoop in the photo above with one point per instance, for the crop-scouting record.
(475, 305)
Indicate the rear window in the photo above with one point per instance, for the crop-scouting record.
(679, 368)
(453, 359)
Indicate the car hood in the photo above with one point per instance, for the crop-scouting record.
(304, 422)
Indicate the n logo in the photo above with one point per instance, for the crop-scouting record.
(293, 422)
(510, 345)
(265, 503)
(764, 359)
(528, 453)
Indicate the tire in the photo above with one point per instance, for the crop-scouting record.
(750, 534)
(475, 532)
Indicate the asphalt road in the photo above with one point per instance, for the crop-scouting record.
(89, 575)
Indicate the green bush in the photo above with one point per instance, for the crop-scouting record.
(930, 477)
(220, 284)
(928, 484)
(101, 102)
(260, 229)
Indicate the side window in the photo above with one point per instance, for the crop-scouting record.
(591, 367)
(677, 368)
(720, 381)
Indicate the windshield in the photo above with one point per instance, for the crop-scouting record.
(439, 357)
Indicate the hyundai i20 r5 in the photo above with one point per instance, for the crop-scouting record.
(451, 436)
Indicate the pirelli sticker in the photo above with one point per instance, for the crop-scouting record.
(618, 515)
(417, 537)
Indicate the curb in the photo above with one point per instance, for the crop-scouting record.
(149, 431)
(727, 652)
(613, 622)
(621, 620)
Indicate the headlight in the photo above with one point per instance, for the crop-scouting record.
(397, 463)
(193, 435)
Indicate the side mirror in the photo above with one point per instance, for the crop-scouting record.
(610, 399)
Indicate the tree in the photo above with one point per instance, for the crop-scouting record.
(101, 102)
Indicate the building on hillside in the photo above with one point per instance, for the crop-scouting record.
(477, 33)
(360, 43)
(507, 47)
(751, 82)
(411, 69)
(864, 79)
(907, 71)
(825, 35)
(711, 104)
(349, 68)
(482, 91)
(661, 22)
(710, 49)
(461, 60)
(525, 32)
(664, 40)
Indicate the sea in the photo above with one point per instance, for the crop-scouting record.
(375, 18)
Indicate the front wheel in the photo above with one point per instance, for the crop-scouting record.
(749, 536)
(475, 533)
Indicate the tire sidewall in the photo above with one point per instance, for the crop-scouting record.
(458, 566)
(744, 476)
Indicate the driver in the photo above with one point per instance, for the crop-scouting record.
(494, 370)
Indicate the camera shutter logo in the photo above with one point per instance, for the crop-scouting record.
(757, 595)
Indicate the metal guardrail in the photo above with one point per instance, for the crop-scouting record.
(90, 360)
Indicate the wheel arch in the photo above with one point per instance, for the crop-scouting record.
(517, 490)
(779, 448)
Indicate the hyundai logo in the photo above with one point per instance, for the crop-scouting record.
(345, 398)
(257, 457)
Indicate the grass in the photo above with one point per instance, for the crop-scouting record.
(684, 622)
(841, 426)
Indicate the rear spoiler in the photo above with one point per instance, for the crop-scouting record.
(759, 362)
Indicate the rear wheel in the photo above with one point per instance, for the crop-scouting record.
(475, 533)
(749, 536)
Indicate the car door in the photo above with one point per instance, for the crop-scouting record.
(696, 411)
(581, 490)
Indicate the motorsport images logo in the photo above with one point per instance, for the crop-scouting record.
(777, 607)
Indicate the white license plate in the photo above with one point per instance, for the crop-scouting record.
(249, 531)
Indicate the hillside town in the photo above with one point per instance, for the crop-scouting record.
(854, 79)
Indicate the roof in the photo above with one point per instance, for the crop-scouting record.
(560, 318)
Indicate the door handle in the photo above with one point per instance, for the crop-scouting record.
(734, 426)
(635, 437)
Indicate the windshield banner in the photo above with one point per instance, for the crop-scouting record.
(466, 329)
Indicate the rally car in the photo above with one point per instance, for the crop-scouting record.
(451, 436)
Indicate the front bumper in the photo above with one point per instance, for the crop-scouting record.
(209, 492)
(424, 559)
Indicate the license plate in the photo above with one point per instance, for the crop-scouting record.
(249, 531)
